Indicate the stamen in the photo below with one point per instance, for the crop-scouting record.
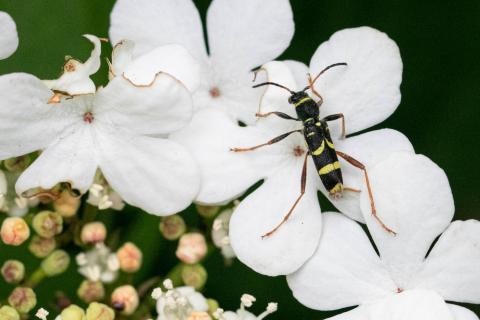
(214, 92)
(88, 117)
(298, 151)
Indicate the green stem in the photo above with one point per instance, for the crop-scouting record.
(36, 277)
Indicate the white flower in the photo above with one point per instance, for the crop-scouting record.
(75, 79)
(405, 281)
(242, 35)
(3, 190)
(8, 36)
(242, 314)
(368, 91)
(98, 264)
(178, 303)
(42, 314)
(111, 130)
(220, 236)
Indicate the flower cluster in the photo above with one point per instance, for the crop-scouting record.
(177, 125)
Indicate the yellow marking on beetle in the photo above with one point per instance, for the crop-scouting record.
(311, 134)
(318, 124)
(308, 120)
(302, 101)
(329, 168)
(319, 149)
(330, 144)
(338, 188)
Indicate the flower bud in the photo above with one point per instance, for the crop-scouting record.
(56, 263)
(9, 313)
(13, 271)
(22, 299)
(72, 312)
(14, 231)
(99, 311)
(90, 291)
(17, 164)
(207, 211)
(67, 205)
(47, 224)
(191, 248)
(93, 232)
(199, 315)
(125, 299)
(130, 257)
(172, 227)
(194, 276)
(41, 247)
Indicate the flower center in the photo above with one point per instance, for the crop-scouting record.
(298, 151)
(214, 92)
(88, 117)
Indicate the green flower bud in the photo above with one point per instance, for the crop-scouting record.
(212, 305)
(47, 224)
(99, 311)
(194, 276)
(13, 271)
(9, 313)
(73, 312)
(41, 247)
(172, 227)
(90, 291)
(207, 211)
(22, 299)
(56, 263)
(17, 164)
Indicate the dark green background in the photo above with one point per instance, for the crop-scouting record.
(440, 109)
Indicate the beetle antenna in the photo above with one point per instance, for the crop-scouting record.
(323, 71)
(273, 84)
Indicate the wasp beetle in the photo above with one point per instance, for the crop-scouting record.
(320, 145)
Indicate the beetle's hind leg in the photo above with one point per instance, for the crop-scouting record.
(274, 140)
(361, 166)
(303, 183)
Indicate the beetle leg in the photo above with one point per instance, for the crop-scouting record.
(310, 85)
(335, 117)
(277, 113)
(274, 140)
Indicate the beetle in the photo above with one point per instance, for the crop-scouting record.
(320, 145)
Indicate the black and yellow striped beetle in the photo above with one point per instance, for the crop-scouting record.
(320, 145)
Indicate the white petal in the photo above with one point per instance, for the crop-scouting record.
(172, 59)
(244, 34)
(300, 72)
(366, 91)
(75, 79)
(71, 158)
(27, 122)
(156, 175)
(290, 246)
(8, 35)
(122, 57)
(160, 108)
(225, 174)
(154, 23)
(461, 313)
(452, 267)
(413, 197)
(368, 148)
(344, 271)
(359, 313)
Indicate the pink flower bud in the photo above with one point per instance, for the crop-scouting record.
(130, 257)
(14, 231)
(125, 299)
(93, 232)
(199, 316)
(191, 248)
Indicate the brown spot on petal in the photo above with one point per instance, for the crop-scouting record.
(214, 92)
(88, 117)
(298, 151)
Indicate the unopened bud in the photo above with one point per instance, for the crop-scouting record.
(17, 164)
(67, 205)
(13, 271)
(14, 231)
(47, 224)
(56, 263)
(130, 257)
(93, 232)
(90, 291)
(99, 311)
(72, 312)
(9, 313)
(41, 247)
(172, 227)
(22, 299)
(194, 276)
(125, 299)
(191, 248)
(212, 305)
(207, 211)
(199, 315)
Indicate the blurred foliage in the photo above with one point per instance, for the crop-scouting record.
(440, 111)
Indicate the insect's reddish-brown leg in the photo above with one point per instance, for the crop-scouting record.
(310, 84)
(274, 140)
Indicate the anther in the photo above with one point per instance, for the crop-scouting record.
(214, 92)
(88, 117)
